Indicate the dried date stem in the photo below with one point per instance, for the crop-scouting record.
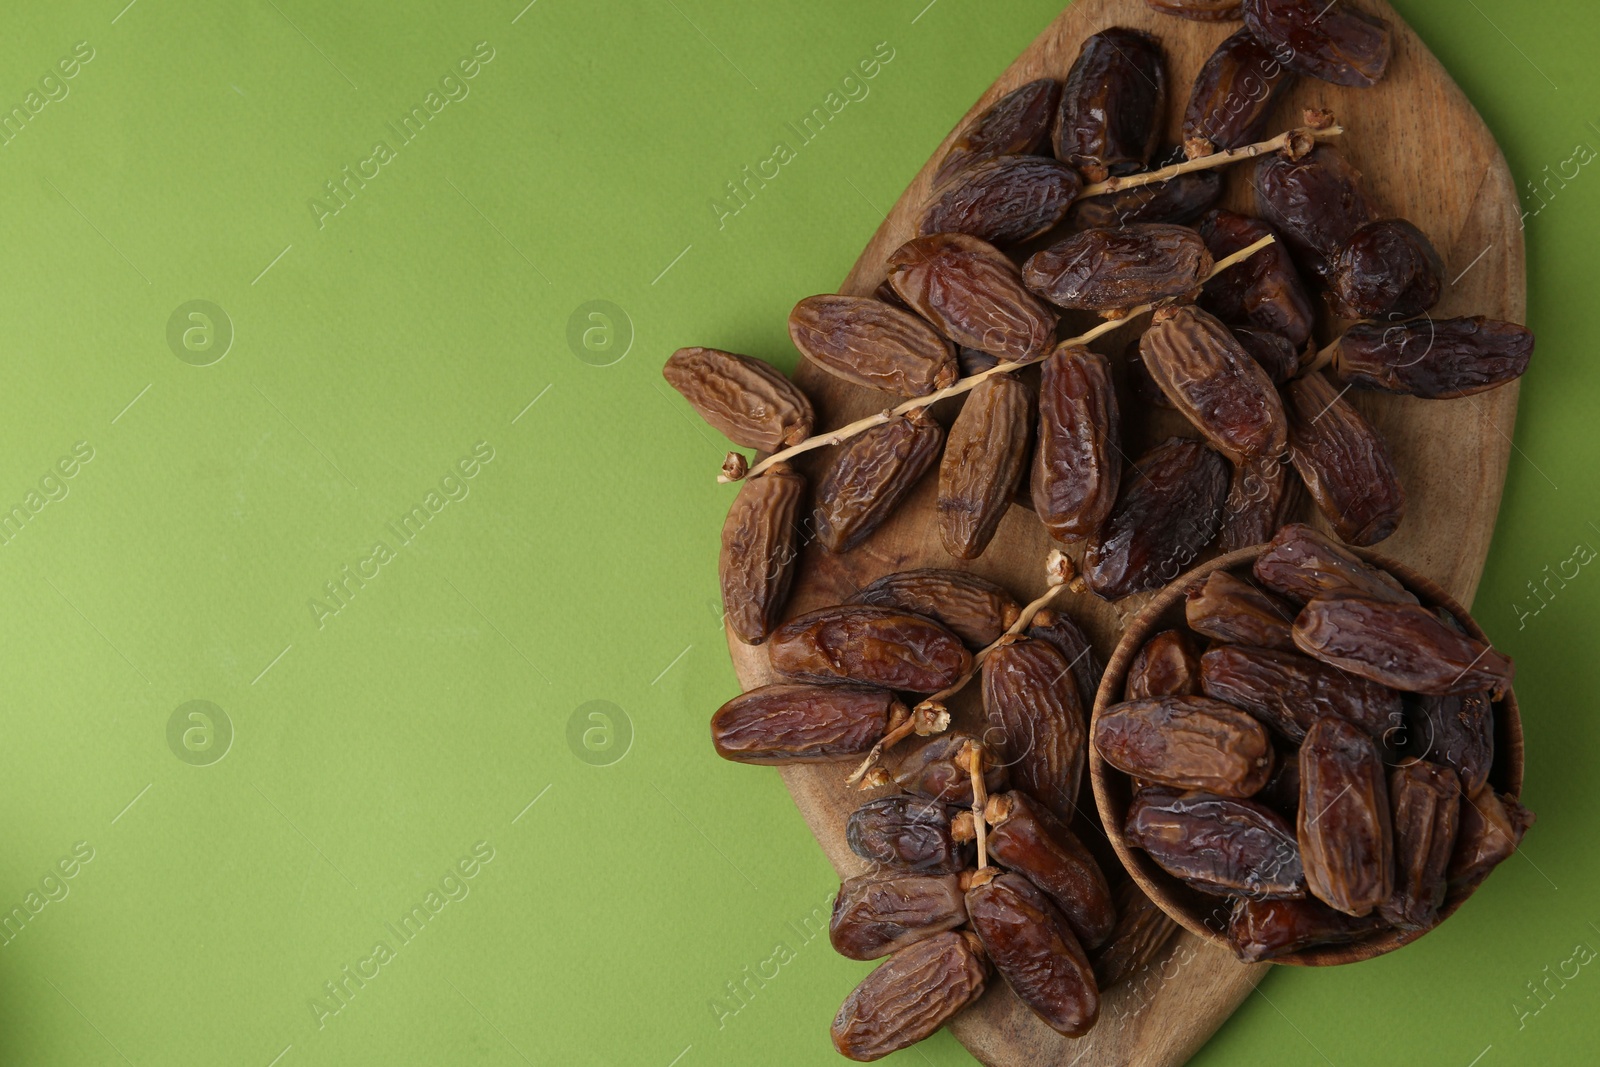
(980, 798)
(1319, 126)
(736, 467)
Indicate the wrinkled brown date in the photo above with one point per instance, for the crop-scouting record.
(1177, 200)
(1301, 564)
(873, 646)
(1331, 41)
(1018, 124)
(1457, 731)
(1316, 202)
(1265, 291)
(1210, 378)
(1272, 351)
(973, 294)
(1263, 930)
(1163, 518)
(1057, 628)
(1257, 495)
(759, 551)
(1389, 270)
(938, 770)
(1402, 646)
(748, 401)
(1111, 105)
(1233, 96)
(1187, 742)
(910, 996)
(872, 343)
(1290, 692)
(1167, 666)
(1426, 799)
(781, 724)
(1141, 932)
(983, 463)
(907, 833)
(1492, 825)
(1077, 464)
(871, 474)
(876, 914)
(1198, 10)
(1346, 839)
(1344, 462)
(1005, 199)
(1434, 358)
(1034, 949)
(1217, 845)
(973, 608)
(1228, 608)
(1113, 269)
(1028, 839)
(1038, 728)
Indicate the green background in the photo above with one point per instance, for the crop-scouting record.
(374, 748)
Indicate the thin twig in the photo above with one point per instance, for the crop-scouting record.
(980, 797)
(1288, 139)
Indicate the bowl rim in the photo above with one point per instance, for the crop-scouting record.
(1112, 791)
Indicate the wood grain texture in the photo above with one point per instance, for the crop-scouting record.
(1427, 156)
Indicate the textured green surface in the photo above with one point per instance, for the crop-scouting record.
(380, 751)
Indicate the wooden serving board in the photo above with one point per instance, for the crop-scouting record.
(1427, 156)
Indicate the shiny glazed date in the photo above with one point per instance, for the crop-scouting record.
(1316, 202)
(1434, 358)
(1491, 829)
(1389, 270)
(1034, 949)
(1166, 666)
(1028, 839)
(1141, 932)
(907, 833)
(1186, 742)
(1301, 563)
(871, 475)
(1077, 464)
(1111, 105)
(1265, 291)
(1402, 646)
(749, 402)
(973, 294)
(1018, 124)
(982, 465)
(1217, 845)
(910, 996)
(759, 551)
(1056, 628)
(1166, 514)
(1005, 199)
(1227, 608)
(782, 724)
(1233, 96)
(973, 608)
(1456, 731)
(1209, 377)
(1346, 839)
(876, 914)
(1113, 269)
(1331, 41)
(873, 646)
(1290, 692)
(1344, 462)
(1037, 725)
(938, 770)
(1426, 799)
(872, 343)
(1263, 930)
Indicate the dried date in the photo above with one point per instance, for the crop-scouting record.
(1166, 666)
(1402, 646)
(1346, 839)
(1141, 932)
(1334, 41)
(1005, 199)
(1077, 464)
(1457, 731)
(1344, 462)
(910, 996)
(1301, 564)
(1290, 692)
(1217, 845)
(1265, 291)
(983, 464)
(1057, 628)
(1434, 358)
(1263, 930)
(1227, 608)
(871, 475)
(1018, 124)
(1037, 725)
(876, 914)
(872, 343)
(1111, 106)
(1491, 829)
(1426, 799)
(938, 770)
(873, 646)
(907, 833)
(1112, 269)
(782, 724)
(1233, 96)
(973, 294)
(1273, 352)
(1034, 949)
(1186, 742)
(1316, 202)
(1028, 839)
(973, 608)
(1389, 270)
(759, 550)
(749, 402)
(1210, 378)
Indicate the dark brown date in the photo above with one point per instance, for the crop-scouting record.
(1316, 202)
(1257, 494)
(1111, 106)
(1210, 378)
(1164, 517)
(871, 474)
(1217, 845)
(1227, 608)
(1141, 932)
(1457, 731)
(1282, 791)
(876, 914)
(872, 343)
(1263, 930)
(1028, 839)
(1426, 799)
(1402, 646)
(1434, 358)
(1057, 628)
(1077, 464)
(1144, 386)
(1186, 742)
(1233, 96)
(1492, 825)
(907, 833)
(1005, 199)
(938, 770)
(1265, 291)
(972, 361)
(873, 646)
(759, 550)
(1199, 10)
(1272, 351)
(973, 608)
(973, 294)
(1037, 725)
(1389, 270)
(1344, 462)
(748, 401)
(1176, 200)
(1290, 692)
(782, 724)
(1301, 564)
(1344, 829)
(1034, 949)
(1167, 666)
(1113, 269)
(983, 464)
(910, 996)
(1018, 124)
(1331, 41)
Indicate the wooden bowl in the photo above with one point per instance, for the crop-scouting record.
(1205, 915)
